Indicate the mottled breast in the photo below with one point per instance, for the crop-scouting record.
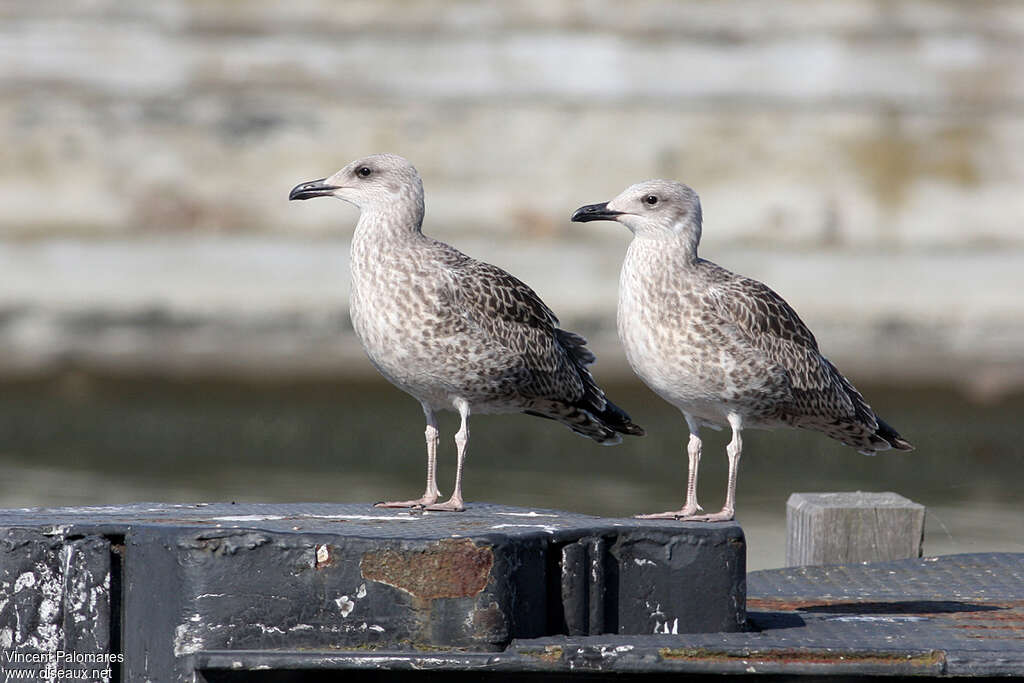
(411, 309)
(398, 312)
(669, 341)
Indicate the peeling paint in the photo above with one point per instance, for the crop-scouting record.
(550, 653)
(875, 617)
(321, 556)
(446, 569)
(370, 518)
(546, 527)
(663, 627)
(48, 587)
(345, 605)
(609, 651)
(185, 641)
(531, 513)
(926, 660)
(25, 580)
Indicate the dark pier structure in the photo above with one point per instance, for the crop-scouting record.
(256, 592)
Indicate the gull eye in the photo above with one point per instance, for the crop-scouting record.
(363, 171)
(650, 200)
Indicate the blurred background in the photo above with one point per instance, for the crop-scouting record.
(172, 329)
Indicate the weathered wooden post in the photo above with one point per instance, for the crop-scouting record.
(856, 526)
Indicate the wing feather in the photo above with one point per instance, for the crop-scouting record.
(769, 327)
(510, 314)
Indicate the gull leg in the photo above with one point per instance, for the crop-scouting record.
(455, 504)
(733, 450)
(693, 450)
(431, 493)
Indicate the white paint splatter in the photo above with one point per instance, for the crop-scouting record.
(247, 518)
(868, 617)
(345, 605)
(186, 642)
(642, 561)
(531, 513)
(26, 580)
(545, 527)
(663, 628)
(613, 651)
(375, 627)
(361, 593)
(372, 518)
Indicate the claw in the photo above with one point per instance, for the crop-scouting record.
(420, 503)
(448, 506)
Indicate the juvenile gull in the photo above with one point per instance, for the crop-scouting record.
(721, 347)
(454, 332)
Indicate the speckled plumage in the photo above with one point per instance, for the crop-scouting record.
(454, 332)
(723, 348)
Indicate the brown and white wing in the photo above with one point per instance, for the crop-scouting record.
(771, 331)
(547, 365)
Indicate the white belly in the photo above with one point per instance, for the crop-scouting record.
(663, 350)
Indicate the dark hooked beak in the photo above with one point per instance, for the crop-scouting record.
(594, 212)
(314, 188)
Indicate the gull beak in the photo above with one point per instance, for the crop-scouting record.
(314, 188)
(595, 212)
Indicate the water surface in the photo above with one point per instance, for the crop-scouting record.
(82, 441)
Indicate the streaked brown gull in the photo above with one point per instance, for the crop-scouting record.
(454, 332)
(724, 349)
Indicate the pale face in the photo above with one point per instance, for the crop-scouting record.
(650, 207)
(376, 180)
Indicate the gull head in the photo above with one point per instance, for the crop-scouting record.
(653, 208)
(376, 181)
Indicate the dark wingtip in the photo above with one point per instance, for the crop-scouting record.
(892, 437)
(618, 419)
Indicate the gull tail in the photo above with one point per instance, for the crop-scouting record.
(592, 414)
(605, 427)
(619, 420)
(892, 437)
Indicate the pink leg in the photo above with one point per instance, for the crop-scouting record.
(455, 503)
(693, 450)
(733, 450)
(431, 493)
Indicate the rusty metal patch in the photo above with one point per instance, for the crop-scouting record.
(447, 569)
(549, 653)
(801, 656)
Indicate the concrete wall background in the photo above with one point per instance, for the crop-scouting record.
(864, 158)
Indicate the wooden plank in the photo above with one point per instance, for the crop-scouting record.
(847, 527)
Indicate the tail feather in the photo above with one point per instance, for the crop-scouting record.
(592, 414)
(892, 437)
(884, 436)
(619, 420)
